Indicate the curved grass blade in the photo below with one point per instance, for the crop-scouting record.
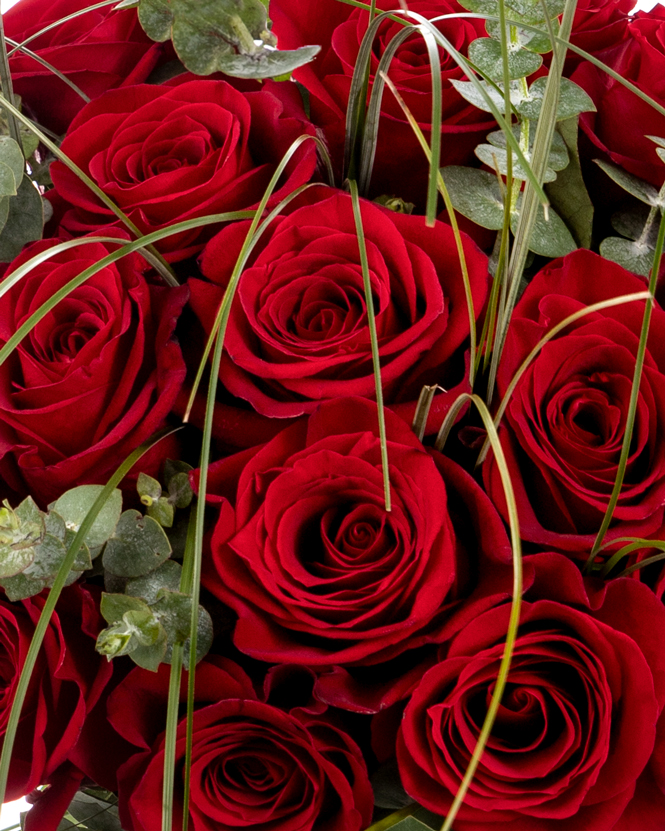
(649, 561)
(128, 248)
(443, 190)
(59, 22)
(374, 112)
(251, 239)
(553, 332)
(634, 393)
(35, 57)
(52, 599)
(6, 84)
(634, 545)
(173, 701)
(154, 257)
(515, 608)
(529, 207)
(371, 322)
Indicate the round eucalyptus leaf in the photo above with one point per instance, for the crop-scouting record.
(497, 158)
(637, 187)
(486, 54)
(74, 505)
(630, 255)
(551, 237)
(475, 194)
(138, 546)
(572, 100)
(558, 158)
(533, 41)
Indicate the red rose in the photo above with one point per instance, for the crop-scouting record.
(598, 25)
(622, 121)
(576, 726)
(316, 569)
(96, 377)
(98, 50)
(253, 765)
(339, 29)
(66, 683)
(563, 429)
(298, 331)
(165, 154)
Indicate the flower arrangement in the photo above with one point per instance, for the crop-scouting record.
(332, 415)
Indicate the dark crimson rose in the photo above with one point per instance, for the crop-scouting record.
(66, 684)
(298, 331)
(339, 29)
(94, 378)
(598, 25)
(564, 426)
(165, 154)
(253, 765)
(97, 51)
(622, 121)
(576, 726)
(317, 570)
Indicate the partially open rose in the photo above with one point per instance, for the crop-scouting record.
(165, 154)
(565, 422)
(93, 379)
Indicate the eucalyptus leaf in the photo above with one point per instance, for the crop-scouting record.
(150, 657)
(526, 11)
(20, 587)
(74, 505)
(12, 156)
(114, 606)
(486, 55)
(173, 610)
(4, 211)
(657, 140)
(632, 224)
(475, 194)
(25, 221)
(167, 576)
(661, 153)
(180, 490)
(162, 511)
(568, 194)
(637, 187)
(549, 238)
(469, 91)
(264, 64)
(204, 638)
(388, 789)
(148, 488)
(533, 41)
(631, 255)
(138, 546)
(21, 531)
(558, 157)
(7, 181)
(497, 158)
(573, 100)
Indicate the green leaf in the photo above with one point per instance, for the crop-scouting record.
(475, 194)
(11, 155)
(568, 195)
(114, 606)
(388, 789)
(134, 631)
(167, 576)
(19, 587)
(573, 100)
(25, 220)
(21, 531)
(173, 610)
(148, 489)
(633, 256)
(526, 11)
(138, 546)
(221, 36)
(558, 157)
(550, 238)
(162, 511)
(469, 91)
(526, 38)
(74, 504)
(637, 187)
(7, 181)
(260, 65)
(497, 158)
(180, 491)
(486, 54)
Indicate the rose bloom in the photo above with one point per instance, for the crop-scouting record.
(339, 30)
(98, 50)
(563, 429)
(598, 25)
(169, 153)
(94, 378)
(320, 574)
(298, 331)
(253, 765)
(65, 685)
(577, 723)
(622, 121)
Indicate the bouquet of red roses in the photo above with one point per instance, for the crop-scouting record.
(332, 415)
